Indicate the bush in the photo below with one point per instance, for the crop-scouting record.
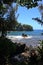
(8, 49)
(40, 50)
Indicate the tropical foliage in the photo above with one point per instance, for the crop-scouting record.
(8, 50)
(38, 19)
(27, 3)
(7, 18)
(24, 27)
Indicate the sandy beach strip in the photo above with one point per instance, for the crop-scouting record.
(29, 40)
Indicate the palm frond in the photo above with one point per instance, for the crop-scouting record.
(38, 20)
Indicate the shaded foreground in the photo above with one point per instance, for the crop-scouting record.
(19, 54)
(8, 50)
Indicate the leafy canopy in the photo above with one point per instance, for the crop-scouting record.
(27, 3)
(38, 19)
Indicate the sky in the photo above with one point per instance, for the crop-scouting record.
(26, 15)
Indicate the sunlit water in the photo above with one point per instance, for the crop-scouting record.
(31, 33)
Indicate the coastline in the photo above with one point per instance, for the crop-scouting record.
(29, 40)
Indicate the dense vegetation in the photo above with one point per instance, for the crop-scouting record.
(24, 27)
(8, 50)
(26, 3)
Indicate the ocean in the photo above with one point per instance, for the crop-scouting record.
(30, 33)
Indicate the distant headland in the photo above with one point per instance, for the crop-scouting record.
(24, 27)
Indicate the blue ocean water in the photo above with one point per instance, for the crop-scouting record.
(31, 33)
